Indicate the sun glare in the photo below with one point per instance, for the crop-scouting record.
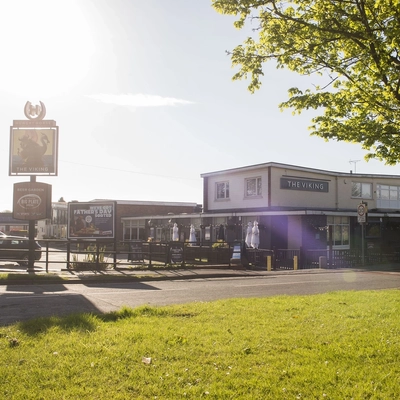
(46, 47)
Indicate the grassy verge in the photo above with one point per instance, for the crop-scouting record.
(9, 277)
(342, 345)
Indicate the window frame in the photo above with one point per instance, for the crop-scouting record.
(258, 187)
(340, 226)
(362, 194)
(388, 201)
(225, 190)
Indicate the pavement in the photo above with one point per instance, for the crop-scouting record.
(17, 275)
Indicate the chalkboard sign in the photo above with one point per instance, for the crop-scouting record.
(135, 251)
(176, 253)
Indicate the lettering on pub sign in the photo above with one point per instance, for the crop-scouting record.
(305, 185)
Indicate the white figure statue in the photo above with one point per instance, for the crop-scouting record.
(255, 236)
(175, 233)
(248, 235)
(192, 237)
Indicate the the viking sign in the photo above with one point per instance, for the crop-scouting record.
(37, 112)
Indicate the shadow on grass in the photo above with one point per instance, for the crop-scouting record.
(89, 322)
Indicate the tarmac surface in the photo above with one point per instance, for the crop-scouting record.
(27, 295)
(20, 276)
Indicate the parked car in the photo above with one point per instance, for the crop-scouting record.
(16, 248)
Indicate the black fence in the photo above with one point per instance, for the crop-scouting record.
(348, 258)
(84, 255)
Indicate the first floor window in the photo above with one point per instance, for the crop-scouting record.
(361, 190)
(253, 187)
(388, 196)
(222, 189)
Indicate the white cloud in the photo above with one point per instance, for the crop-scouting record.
(138, 100)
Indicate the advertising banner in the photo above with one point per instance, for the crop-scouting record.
(33, 151)
(32, 201)
(91, 220)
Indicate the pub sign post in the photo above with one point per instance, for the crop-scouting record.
(33, 152)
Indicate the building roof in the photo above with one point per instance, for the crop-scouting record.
(146, 203)
(7, 218)
(294, 167)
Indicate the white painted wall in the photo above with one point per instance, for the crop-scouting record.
(338, 197)
(237, 197)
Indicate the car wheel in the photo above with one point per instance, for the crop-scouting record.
(24, 262)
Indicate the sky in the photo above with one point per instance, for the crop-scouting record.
(143, 95)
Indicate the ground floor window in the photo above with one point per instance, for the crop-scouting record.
(340, 231)
(134, 230)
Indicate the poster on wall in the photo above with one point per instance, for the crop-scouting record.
(91, 220)
(33, 151)
(32, 201)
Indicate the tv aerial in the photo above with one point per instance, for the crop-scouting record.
(355, 164)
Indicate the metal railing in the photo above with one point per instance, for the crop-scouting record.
(76, 255)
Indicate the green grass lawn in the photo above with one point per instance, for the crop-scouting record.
(341, 345)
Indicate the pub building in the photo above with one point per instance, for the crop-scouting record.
(295, 207)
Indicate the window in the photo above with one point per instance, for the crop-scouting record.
(340, 231)
(253, 187)
(388, 196)
(134, 230)
(361, 190)
(222, 189)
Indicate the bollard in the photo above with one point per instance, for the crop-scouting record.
(295, 263)
(269, 263)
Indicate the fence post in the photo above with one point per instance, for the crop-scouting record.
(269, 263)
(149, 254)
(97, 255)
(68, 253)
(295, 262)
(115, 252)
(47, 257)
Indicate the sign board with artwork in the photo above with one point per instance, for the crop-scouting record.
(91, 220)
(33, 151)
(32, 201)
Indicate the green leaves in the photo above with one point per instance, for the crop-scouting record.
(354, 45)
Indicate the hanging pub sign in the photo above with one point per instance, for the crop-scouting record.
(32, 201)
(91, 220)
(33, 144)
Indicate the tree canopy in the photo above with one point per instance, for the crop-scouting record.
(353, 44)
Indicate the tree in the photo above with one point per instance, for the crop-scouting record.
(353, 44)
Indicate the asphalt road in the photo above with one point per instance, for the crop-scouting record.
(24, 302)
